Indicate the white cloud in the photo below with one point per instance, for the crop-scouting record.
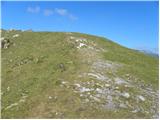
(72, 17)
(48, 12)
(33, 9)
(64, 12)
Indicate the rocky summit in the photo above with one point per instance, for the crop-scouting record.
(74, 75)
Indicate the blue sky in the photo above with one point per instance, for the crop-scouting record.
(131, 24)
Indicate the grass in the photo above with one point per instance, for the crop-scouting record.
(31, 67)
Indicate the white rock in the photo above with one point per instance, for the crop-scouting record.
(134, 111)
(83, 89)
(16, 35)
(98, 76)
(10, 106)
(120, 81)
(86, 100)
(50, 97)
(96, 99)
(81, 45)
(78, 85)
(141, 98)
(8, 88)
(56, 113)
(116, 87)
(2, 38)
(63, 82)
(99, 90)
(90, 47)
(72, 37)
(22, 100)
(122, 105)
(126, 95)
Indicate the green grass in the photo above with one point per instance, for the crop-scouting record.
(41, 76)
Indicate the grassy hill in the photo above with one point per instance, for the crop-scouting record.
(73, 75)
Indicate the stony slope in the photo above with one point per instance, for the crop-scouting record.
(73, 75)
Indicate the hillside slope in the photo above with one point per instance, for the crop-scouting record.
(73, 75)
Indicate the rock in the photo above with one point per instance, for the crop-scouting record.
(16, 35)
(71, 37)
(126, 95)
(116, 87)
(120, 81)
(78, 85)
(99, 90)
(110, 105)
(2, 38)
(10, 106)
(122, 105)
(134, 111)
(56, 113)
(81, 95)
(127, 75)
(86, 100)
(141, 98)
(62, 67)
(97, 76)
(83, 89)
(8, 88)
(50, 97)
(96, 99)
(107, 85)
(81, 45)
(63, 82)
(5, 43)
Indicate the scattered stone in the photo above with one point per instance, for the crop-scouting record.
(16, 35)
(81, 45)
(8, 88)
(10, 106)
(116, 87)
(71, 37)
(127, 75)
(86, 100)
(99, 90)
(2, 93)
(107, 85)
(2, 38)
(83, 89)
(5, 43)
(56, 113)
(97, 76)
(110, 105)
(81, 95)
(122, 105)
(141, 98)
(62, 67)
(96, 99)
(134, 111)
(78, 85)
(126, 95)
(63, 82)
(120, 81)
(50, 97)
